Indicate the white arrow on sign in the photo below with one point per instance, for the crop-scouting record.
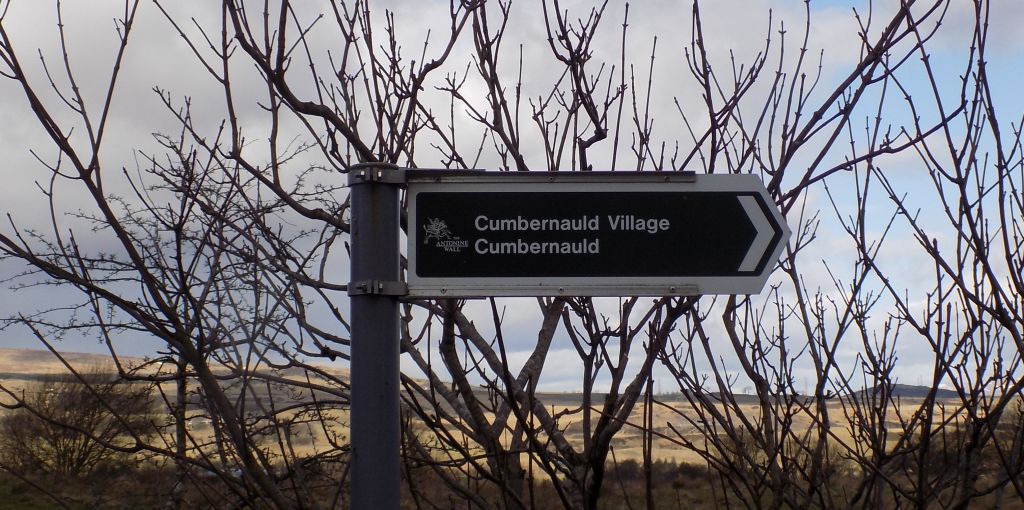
(763, 227)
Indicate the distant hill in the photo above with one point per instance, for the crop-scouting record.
(37, 362)
(912, 391)
(32, 363)
(915, 391)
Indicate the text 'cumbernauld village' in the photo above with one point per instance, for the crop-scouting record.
(584, 223)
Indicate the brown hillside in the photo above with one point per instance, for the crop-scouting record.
(34, 362)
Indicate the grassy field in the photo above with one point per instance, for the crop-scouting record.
(684, 476)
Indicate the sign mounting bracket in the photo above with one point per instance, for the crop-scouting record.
(377, 288)
(376, 173)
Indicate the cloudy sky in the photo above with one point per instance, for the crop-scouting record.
(158, 58)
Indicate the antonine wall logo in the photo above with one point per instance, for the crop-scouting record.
(437, 230)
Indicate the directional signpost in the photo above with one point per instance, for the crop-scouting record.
(475, 234)
(590, 234)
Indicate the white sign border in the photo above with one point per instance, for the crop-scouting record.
(535, 182)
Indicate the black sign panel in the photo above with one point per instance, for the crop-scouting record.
(581, 237)
(583, 234)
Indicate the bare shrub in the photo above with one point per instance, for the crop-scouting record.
(76, 426)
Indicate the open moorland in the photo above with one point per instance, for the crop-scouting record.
(672, 414)
(674, 423)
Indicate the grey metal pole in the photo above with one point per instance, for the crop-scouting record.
(375, 289)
